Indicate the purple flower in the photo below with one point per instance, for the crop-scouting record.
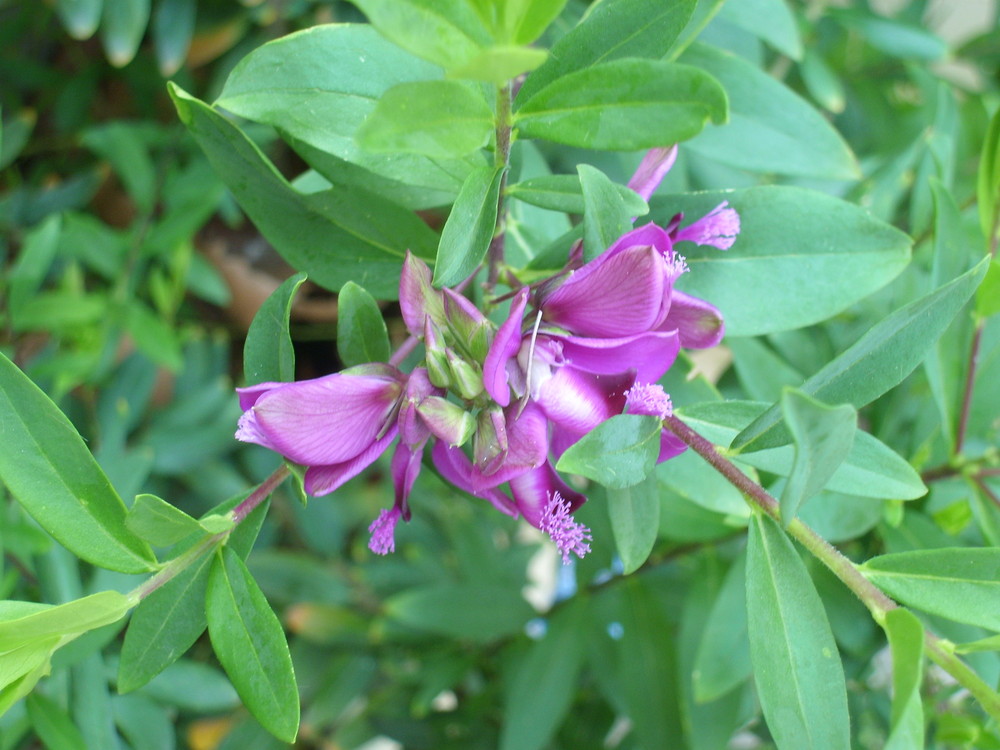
(652, 169)
(335, 426)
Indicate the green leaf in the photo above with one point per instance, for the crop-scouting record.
(789, 135)
(47, 467)
(906, 641)
(723, 658)
(763, 373)
(623, 105)
(163, 524)
(880, 359)
(605, 217)
(21, 669)
(525, 20)
(796, 244)
(14, 135)
(153, 336)
(122, 27)
(540, 690)
(170, 619)
(823, 437)
(446, 32)
(439, 119)
(146, 724)
(612, 30)
(53, 725)
(123, 145)
(961, 584)
(871, 469)
(770, 20)
(618, 453)
(797, 668)
(563, 192)
(65, 621)
(635, 521)
(478, 612)
(33, 263)
(988, 294)
(988, 180)
(268, 354)
(361, 333)
(336, 236)
(173, 29)
(499, 64)
(80, 17)
(250, 643)
(331, 77)
(467, 233)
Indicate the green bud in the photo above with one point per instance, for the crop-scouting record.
(467, 379)
(447, 420)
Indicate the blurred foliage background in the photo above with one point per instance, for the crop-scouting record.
(130, 275)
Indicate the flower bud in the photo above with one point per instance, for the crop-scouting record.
(447, 420)
(490, 445)
(435, 358)
(466, 377)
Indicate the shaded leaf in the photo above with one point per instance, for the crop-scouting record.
(467, 233)
(618, 453)
(635, 521)
(361, 333)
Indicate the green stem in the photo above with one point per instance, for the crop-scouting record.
(179, 564)
(501, 160)
(871, 596)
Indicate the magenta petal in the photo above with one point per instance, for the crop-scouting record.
(533, 490)
(505, 345)
(671, 446)
(652, 169)
(456, 468)
(417, 298)
(249, 431)
(649, 354)
(327, 420)
(698, 323)
(579, 401)
(650, 235)
(616, 294)
(322, 480)
(405, 468)
(718, 228)
(250, 394)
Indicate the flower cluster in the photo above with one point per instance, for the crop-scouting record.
(501, 404)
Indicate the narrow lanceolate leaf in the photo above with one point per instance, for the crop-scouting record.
(122, 27)
(624, 105)
(961, 584)
(618, 453)
(173, 28)
(361, 333)
(881, 359)
(635, 520)
(525, 20)
(163, 524)
(906, 640)
(723, 658)
(541, 689)
(268, 355)
(336, 235)
(799, 676)
(988, 179)
(611, 30)
(563, 192)
(871, 469)
(499, 64)
(169, 620)
(47, 467)
(332, 76)
(80, 17)
(70, 619)
(446, 32)
(250, 643)
(795, 243)
(467, 233)
(823, 437)
(164, 626)
(53, 725)
(789, 135)
(606, 217)
(439, 119)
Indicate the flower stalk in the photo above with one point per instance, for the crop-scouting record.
(501, 159)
